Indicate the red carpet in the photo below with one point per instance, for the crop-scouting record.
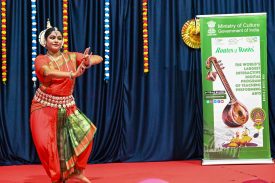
(153, 172)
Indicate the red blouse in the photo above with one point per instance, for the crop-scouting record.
(57, 86)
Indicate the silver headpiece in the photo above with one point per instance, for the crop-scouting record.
(42, 39)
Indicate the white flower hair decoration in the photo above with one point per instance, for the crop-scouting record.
(42, 39)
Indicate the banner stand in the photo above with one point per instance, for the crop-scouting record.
(242, 161)
(235, 89)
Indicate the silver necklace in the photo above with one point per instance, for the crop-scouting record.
(55, 61)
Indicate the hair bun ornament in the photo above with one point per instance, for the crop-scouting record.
(190, 33)
(42, 40)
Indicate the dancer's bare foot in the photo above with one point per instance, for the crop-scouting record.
(81, 177)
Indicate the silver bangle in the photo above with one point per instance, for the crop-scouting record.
(71, 74)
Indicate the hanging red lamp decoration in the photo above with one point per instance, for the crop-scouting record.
(4, 40)
(65, 25)
(145, 36)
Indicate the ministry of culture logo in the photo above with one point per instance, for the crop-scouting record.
(211, 27)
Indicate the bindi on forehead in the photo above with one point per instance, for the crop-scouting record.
(56, 33)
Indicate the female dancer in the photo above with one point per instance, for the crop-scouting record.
(62, 134)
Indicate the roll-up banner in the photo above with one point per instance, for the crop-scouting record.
(235, 90)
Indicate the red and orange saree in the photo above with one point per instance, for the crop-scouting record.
(61, 133)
